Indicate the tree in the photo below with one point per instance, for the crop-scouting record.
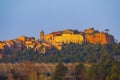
(79, 71)
(115, 71)
(92, 73)
(60, 71)
(115, 76)
(106, 30)
(15, 74)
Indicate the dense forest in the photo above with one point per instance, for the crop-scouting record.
(89, 53)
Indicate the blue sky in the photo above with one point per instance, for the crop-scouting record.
(28, 17)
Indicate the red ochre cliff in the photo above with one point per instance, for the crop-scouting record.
(95, 37)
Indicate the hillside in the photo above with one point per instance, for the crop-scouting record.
(72, 44)
(88, 55)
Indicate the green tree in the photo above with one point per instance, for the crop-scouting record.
(107, 78)
(59, 72)
(115, 71)
(115, 76)
(15, 74)
(79, 71)
(91, 73)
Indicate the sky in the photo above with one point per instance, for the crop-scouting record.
(29, 17)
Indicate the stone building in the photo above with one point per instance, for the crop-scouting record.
(66, 36)
(41, 35)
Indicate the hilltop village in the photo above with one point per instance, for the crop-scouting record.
(74, 36)
(56, 39)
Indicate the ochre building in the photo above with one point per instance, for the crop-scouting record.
(66, 36)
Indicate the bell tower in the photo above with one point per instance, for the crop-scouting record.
(42, 35)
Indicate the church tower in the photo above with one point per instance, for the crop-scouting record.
(42, 35)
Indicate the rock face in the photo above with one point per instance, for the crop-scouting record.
(101, 38)
(94, 37)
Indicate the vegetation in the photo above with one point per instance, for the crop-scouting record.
(59, 72)
(88, 53)
(104, 60)
(107, 70)
(79, 71)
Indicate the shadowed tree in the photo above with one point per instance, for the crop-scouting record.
(79, 71)
(59, 72)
